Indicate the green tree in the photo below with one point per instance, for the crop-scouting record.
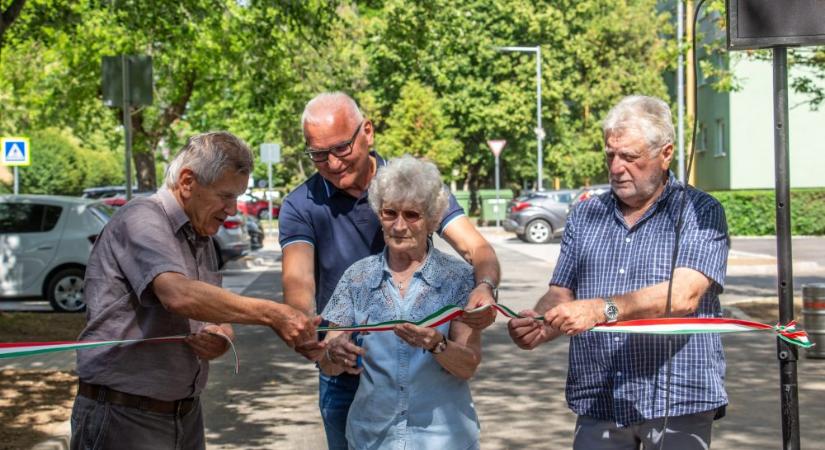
(211, 58)
(590, 58)
(61, 166)
(418, 126)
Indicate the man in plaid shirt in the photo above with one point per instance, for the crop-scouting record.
(615, 262)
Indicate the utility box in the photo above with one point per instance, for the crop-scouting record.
(492, 209)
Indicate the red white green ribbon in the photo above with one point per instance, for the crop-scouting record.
(18, 349)
(674, 325)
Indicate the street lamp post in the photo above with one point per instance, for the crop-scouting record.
(539, 130)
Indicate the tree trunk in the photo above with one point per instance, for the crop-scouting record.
(145, 170)
(8, 17)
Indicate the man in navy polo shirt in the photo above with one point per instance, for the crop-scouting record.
(326, 224)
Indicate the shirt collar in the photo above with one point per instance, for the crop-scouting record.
(332, 190)
(177, 217)
(427, 270)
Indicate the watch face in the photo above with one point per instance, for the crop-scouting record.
(611, 312)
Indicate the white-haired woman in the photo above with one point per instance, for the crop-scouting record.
(414, 388)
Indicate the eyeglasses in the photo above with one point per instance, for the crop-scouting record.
(341, 150)
(391, 215)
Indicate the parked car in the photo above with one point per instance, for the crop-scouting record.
(257, 207)
(111, 191)
(232, 240)
(256, 233)
(45, 243)
(588, 191)
(538, 217)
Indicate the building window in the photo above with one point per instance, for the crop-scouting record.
(701, 138)
(719, 149)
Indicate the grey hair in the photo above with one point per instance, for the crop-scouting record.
(208, 155)
(649, 115)
(413, 181)
(322, 104)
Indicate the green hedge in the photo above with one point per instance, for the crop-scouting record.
(753, 213)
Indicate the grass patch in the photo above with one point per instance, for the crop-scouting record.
(767, 311)
(23, 327)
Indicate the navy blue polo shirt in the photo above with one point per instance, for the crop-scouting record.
(342, 229)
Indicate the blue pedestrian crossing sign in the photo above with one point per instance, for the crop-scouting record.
(15, 151)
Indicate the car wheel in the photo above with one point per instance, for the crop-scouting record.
(538, 232)
(65, 290)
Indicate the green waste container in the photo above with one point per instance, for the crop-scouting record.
(463, 199)
(490, 209)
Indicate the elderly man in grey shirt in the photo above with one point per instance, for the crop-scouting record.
(153, 272)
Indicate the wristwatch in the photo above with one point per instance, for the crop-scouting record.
(611, 311)
(489, 282)
(440, 347)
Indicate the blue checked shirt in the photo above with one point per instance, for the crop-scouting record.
(622, 377)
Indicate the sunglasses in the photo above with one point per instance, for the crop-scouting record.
(341, 150)
(391, 215)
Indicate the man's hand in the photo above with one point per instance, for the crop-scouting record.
(575, 317)
(313, 349)
(293, 326)
(528, 333)
(480, 296)
(343, 352)
(206, 344)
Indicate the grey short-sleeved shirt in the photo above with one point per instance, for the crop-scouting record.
(147, 237)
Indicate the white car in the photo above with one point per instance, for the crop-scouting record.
(45, 243)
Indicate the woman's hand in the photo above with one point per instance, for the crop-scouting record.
(416, 336)
(342, 352)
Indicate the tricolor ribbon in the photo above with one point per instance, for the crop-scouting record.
(18, 349)
(673, 325)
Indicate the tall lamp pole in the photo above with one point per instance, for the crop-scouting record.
(539, 130)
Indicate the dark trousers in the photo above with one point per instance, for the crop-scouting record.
(102, 425)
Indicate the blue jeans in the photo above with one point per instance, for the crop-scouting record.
(335, 396)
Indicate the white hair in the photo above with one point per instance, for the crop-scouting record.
(208, 155)
(649, 115)
(413, 181)
(319, 108)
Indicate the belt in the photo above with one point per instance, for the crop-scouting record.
(105, 394)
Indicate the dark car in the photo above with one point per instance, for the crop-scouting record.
(256, 233)
(540, 216)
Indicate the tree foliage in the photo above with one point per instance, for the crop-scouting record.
(417, 125)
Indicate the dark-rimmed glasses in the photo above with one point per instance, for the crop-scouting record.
(341, 150)
(391, 215)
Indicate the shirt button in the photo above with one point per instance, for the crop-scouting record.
(617, 339)
(627, 239)
(618, 374)
(621, 271)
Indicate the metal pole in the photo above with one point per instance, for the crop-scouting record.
(539, 130)
(786, 353)
(680, 89)
(498, 205)
(127, 125)
(16, 181)
(269, 190)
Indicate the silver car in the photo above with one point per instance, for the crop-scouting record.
(540, 216)
(232, 239)
(45, 243)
